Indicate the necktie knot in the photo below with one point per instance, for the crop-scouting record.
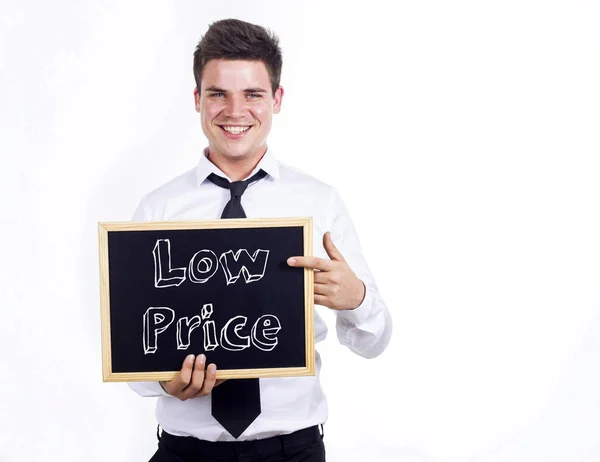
(234, 209)
(237, 188)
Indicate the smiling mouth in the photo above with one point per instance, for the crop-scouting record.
(235, 129)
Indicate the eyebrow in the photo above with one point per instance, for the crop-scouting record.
(247, 90)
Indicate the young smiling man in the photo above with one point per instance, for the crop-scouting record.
(237, 68)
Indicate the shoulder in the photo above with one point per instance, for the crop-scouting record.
(179, 185)
(299, 178)
(322, 196)
(153, 205)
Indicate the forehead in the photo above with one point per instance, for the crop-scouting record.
(235, 75)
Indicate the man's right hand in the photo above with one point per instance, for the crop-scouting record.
(193, 381)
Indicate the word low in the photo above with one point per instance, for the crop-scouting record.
(158, 319)
(204, 264)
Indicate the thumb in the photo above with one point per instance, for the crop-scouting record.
(331, 249)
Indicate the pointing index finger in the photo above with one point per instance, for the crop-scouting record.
(321, 264)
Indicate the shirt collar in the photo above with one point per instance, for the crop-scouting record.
(268, 163)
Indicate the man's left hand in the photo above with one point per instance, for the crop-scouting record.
(336, 285)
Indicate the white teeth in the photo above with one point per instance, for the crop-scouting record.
(235, 130)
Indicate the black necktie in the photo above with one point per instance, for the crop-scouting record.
(233, 208)
(236, 402)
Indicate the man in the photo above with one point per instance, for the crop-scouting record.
(237, 67)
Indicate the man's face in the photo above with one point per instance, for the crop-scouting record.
(236, 106)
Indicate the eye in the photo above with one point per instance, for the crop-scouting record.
(254, 95)
(217, 94)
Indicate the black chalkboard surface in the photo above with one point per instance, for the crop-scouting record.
(220, 287)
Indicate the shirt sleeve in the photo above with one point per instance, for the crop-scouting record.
(142, 213)
(367, 329)
(147, 389)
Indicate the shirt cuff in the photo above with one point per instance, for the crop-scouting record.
(361, 313)
(151, 389)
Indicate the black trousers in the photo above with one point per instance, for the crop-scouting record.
(301, 446)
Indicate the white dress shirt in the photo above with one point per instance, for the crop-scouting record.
(288, 403)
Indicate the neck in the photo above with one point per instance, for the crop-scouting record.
(236, 168)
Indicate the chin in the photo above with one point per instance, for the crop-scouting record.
(234, 152)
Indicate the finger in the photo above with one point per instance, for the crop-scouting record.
(321, 300)
(176, 385)
(209, 380)
(330, 278)
(331, 249)
(197, 378)
(322, 277)
(321, 264)
(201, 392)
(321, 289)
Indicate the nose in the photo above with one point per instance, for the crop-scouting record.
(235, 106)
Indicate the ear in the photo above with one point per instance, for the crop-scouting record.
(277, 98)
(197, 99)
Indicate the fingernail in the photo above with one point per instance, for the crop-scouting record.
(201, 359)
(291, 261)
(211, 369)
(190, 359)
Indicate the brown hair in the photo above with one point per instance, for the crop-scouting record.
(239, 40)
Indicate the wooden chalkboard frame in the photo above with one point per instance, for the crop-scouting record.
(105, 227)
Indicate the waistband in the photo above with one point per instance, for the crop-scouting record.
(187, 445)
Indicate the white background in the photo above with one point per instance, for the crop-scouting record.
(464, 138)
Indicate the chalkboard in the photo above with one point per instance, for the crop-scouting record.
(220, 287)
